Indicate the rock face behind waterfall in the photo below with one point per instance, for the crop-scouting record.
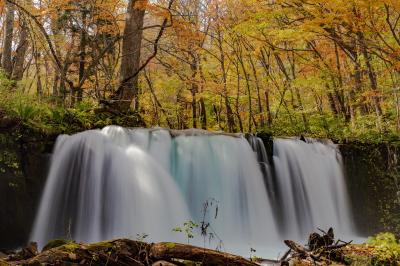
(372, 171)
(24, 161)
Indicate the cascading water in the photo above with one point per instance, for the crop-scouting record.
(102, 186)
(225, 169)
(311, 190)
(117, 182)
(120, 183)
(258, 147)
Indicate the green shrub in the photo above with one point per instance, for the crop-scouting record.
(387, 249)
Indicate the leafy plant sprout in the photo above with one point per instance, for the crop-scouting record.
(209, 212)
(187, 229)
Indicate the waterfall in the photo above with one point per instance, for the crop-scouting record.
(118, 183)
(104, 185)
(311, 190)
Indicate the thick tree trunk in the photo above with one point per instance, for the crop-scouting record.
(19, 60)
(6, 59)
(131, 46)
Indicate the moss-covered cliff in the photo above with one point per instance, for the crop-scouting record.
(23, 169)
(373, 177)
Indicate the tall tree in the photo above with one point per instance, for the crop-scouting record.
(6, 58)
(131, 50)
(23, 45)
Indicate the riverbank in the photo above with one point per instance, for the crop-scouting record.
(383, 249)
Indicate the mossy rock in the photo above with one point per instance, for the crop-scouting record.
(102, 244)
(56, 243)
(71, 246)
(170, 245)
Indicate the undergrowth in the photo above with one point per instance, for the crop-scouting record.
(47, 116)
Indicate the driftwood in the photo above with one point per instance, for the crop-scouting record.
(320, 248)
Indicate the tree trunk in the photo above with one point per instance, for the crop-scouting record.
(396, 96)
(157, 102)
(339, 92)
(265, 64)
(39, 88)
(6, 59)
(230, 121)
(246, 77)
(19, 60)
(203, 110)
(131, 45)
(194, 89)
(260, 107)
(203, 114)
(332, 102)
(372, 79)
(237, 98)
(82, 56)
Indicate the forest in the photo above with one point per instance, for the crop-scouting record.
(244, 127)
(323, 68)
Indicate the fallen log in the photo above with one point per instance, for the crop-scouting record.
(168, 251)
(300, 250)
(123, 252)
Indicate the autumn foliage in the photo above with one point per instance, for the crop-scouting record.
(327, 68)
